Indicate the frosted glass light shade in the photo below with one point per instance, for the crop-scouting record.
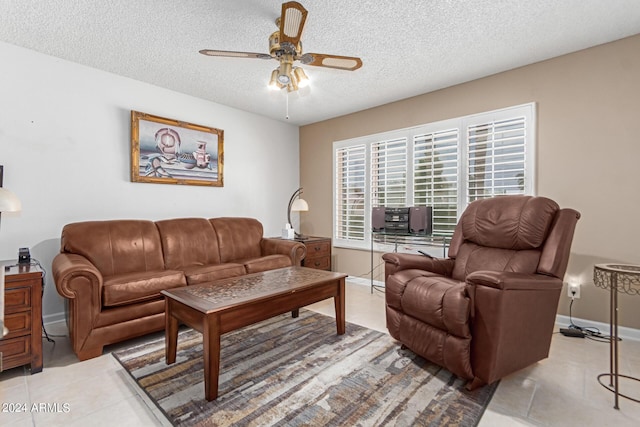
(9, 202)
(299, 205)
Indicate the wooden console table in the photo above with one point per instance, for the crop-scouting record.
(23, 317)
(410, 239)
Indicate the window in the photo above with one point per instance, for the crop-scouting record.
(445, 165)
(350, 182)
(435, 176)
(389, 173)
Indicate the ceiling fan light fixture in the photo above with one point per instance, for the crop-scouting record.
(300, 77)
(274, 84)
(284, 73)
(285, 47)
(293, 86)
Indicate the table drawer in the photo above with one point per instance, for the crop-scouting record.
(321, 263)
(14, 349)
(17, 299)
(18, 324)
(318, 249)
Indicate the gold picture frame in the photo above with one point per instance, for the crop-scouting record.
(167, 151)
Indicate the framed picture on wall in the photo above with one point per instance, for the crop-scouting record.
(167, 151)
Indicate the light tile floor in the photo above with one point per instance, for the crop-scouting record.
(559, 391)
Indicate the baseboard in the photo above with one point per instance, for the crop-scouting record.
(53, 318)
(363, 281)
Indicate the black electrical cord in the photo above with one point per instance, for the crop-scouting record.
(37, 263)
(590, 332)
(369, 275)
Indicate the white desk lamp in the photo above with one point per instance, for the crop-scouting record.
(297, 204)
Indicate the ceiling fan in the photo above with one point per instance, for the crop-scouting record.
(285, 47)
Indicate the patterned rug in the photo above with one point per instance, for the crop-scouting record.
(295, 372)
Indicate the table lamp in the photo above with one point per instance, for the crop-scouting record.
(297, 204)
(8, 203)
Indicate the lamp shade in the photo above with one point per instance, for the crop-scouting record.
(9, 202)
(299, 205)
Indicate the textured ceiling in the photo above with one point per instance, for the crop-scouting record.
(407, 47)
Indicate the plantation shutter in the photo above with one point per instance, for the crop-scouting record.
(389, 173)
(496, 154)
(350, 192)
(435, 177)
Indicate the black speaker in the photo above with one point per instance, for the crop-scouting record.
(420, 220)
(377, 219)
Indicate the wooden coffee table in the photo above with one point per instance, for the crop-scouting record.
(225, 305)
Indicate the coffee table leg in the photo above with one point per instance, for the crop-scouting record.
(295, 313)
(171, 333)
(211, 341)
(339, 305)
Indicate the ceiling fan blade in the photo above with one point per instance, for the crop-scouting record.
(349, 63)
(233, 54)
(292, 22)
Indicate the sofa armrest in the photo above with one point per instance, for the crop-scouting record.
(291, 248)
(400, 261)
(74, 274)
(507, 280)
(78, 280)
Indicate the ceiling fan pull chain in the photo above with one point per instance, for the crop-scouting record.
(287, 103)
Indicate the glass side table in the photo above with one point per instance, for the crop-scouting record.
(617, 278)
(405, 238)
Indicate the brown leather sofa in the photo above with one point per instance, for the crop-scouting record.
(111, 272)
(489, 308)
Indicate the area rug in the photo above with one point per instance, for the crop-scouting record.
(298, 372)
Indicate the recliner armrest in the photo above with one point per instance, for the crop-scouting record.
(512, 317)
(400, 261)
(507, 280)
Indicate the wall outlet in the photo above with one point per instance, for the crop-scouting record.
(573, 290)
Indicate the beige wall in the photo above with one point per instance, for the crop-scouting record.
(588, 155)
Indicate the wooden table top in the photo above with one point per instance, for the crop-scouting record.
(226, 293)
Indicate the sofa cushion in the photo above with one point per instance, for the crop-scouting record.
(209, 273)
(269, 262)
(238, 238)
(188, 242)
(135, 287)
(115, 247)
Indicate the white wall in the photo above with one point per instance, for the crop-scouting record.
(65, 147)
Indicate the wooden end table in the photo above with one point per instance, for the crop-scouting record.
(225, 305)
(23, 317)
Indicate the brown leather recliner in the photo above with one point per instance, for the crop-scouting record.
(489, 308)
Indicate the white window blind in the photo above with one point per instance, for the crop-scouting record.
(445, 165)
(435, 177)
(389, 173)
(350, 183)
(496, 155)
